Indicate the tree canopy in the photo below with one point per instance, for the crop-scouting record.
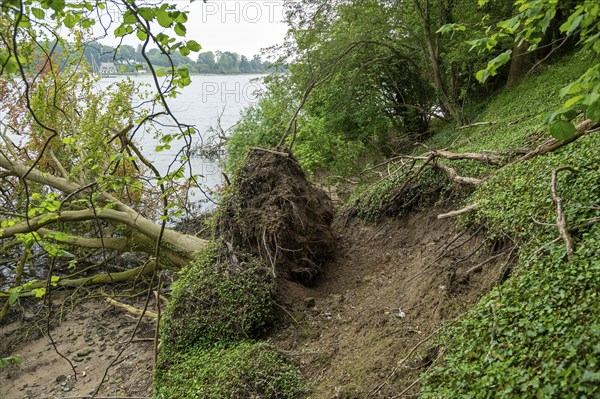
(370, 77)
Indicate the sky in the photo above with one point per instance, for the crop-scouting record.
(241, 26)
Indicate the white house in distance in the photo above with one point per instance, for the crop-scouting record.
(107, 68)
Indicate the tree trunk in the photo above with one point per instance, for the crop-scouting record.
(519, 63)
(144, 233)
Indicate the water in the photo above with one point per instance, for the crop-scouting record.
(200, 104)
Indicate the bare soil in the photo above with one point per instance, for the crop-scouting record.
(388, 288)
(90, 335)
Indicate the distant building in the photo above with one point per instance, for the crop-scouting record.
(107, 68)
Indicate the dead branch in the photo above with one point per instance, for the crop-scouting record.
(551, 145)
(561, 219)
(455, 177)
(18, 277)
(458, 212)
(281, 153)
(475, 156)
(477, 124)
(133, 310)
(573, 229)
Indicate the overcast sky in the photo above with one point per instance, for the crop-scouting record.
(242, 26)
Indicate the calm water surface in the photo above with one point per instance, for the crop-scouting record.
(200, 105)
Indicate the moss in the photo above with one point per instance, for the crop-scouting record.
(217, 299)
(384, 198)
(242, 370)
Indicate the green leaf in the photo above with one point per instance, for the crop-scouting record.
(193, 45)
(14, 295)
(129, 18)
(141, 34)
(571, 24)
(180, 29)
(38, 13)
(87, 22)
(146, 13)
(184, 51)
(163, 18)
(70, 21)
(562, 129)
(593, 111)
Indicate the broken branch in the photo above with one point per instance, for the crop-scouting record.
(454, 176)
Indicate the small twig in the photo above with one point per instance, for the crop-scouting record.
(128, 308)
(375, 234)
(158, 311)
(418, 379)
(478, 266)
(288, 313)
(561, 219)
(283, 154)
(458, 245)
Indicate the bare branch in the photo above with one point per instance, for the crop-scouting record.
(561, 219)
(458, 212)
(454, 176)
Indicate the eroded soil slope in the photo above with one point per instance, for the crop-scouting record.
(390, 286)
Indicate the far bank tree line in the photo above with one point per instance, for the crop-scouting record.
(129, 59)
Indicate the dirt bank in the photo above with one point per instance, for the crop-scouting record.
(390, 286)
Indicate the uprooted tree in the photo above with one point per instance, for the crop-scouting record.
(73, 182)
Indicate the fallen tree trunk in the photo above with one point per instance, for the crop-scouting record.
(179, 247)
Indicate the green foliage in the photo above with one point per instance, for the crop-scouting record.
(376, 200)
(517, 112)
(242, 370)
(5, 361)
(218, 305)
(536, 335)
(531, 22)
(513, 201)
(262, 124)
(215, 301)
